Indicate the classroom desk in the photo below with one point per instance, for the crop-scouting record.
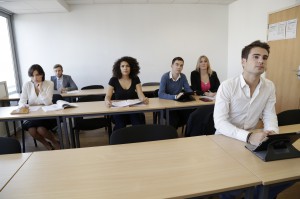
(98, 108)
(175, 105)
(39, 114)
(177, 168)
(270, 173)
(9, 165)
(80, 93)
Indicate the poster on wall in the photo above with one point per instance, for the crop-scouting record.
(276, 31)
(291, 29)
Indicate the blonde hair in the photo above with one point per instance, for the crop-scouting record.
(209, 70)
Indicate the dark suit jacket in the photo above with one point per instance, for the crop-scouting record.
(68, 82)
(196, 82)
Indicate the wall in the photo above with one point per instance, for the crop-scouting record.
(248, 21)
(87, 40)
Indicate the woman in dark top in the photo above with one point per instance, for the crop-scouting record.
(125, 84)
(204, 80)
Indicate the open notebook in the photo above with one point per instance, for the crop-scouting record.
(60, 104)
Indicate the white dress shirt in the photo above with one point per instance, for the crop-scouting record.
(236, 112)
(28, 95)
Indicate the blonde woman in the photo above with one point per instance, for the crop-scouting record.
(204, 80)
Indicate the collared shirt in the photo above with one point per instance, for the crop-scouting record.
(171, 77)
(59, 82)
(236, 112)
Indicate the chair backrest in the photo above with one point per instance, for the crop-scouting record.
(92, 87)
(289, 117)
(90, 98)
(9, 145)
(56, 97)
(201, 122)
(143, 133)
(151, 84)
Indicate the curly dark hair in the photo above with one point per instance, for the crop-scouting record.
(133, 64)
(246, 50)
(38, 68)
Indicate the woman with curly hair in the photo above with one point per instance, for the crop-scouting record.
(125, 84)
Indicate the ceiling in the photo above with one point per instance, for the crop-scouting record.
(47, 6)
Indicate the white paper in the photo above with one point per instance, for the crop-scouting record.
(34, 108)
(60, 105)
(291, 29)
(124, 103)
(75, 91)
(276, 31)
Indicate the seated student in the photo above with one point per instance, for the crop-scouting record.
(171, 85)
(39, 91)
(125, 84)
(203, 79)
(62, 83)
(241, 101)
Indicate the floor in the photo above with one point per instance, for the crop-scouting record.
(100, 138)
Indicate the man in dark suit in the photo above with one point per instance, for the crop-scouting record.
(62, 83)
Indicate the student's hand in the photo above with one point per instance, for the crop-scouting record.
(179, 95)
(63, 90)
(145, 100)
(258, 137)
(209, 94)
(39, 86)
(108, 103)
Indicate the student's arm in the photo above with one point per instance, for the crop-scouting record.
(186, 85)
(108, 95)
(46, 92)
(73, 86)
(221, 115)
(195, 81)
(214, 82)
(269, 114)
(24, 95)
(140, 94)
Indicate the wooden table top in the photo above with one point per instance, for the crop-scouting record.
(9, 165)
(269, 172)
(176, 168)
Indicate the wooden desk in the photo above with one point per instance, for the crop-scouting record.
(269, 172)
(98, 108)
(9, 165)
(39, 114)
(180, 168)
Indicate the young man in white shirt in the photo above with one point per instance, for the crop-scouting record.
(241, 101)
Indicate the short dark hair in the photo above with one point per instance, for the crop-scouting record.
(133, 64)
(177, 58)
(57, 66)
(38, 68)
(246, 50)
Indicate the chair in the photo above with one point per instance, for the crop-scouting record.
(289, 117)
(9, 145)
(55, 98)
(201, 122)
(87, 124)
(150, 94)
(143, 133)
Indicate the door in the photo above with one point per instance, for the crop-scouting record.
(284, 62)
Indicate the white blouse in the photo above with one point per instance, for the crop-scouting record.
(29, 96)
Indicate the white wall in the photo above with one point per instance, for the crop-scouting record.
(248, 21)
(87, 40)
